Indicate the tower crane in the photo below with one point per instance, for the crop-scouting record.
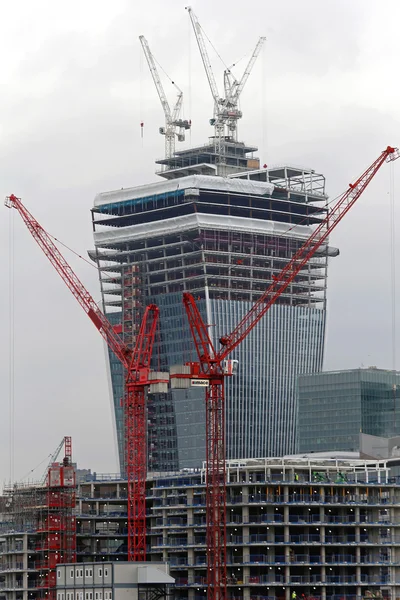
(226, 108)
(65, 441)
(172, 119)
(138, 377)
(213, 366)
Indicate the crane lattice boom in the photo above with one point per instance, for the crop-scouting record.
(172, 120)
(226, 108)
(43, 239)
(138, 377)
(303, 255)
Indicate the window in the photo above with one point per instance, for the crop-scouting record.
(59, 596)
(58, 573)
(86, 572)
(71, 573)
(105, 572)
(90, 572)
(86, 596)
(100, 572)
(79, 572)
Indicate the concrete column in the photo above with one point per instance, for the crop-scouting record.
(287, 575)
(246, 575)
(358, 575)
(286, 493)
(357, 534)
(190, 556)
(245, 514)
(246, 547)
(357, 514)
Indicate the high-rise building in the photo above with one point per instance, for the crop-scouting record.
(335, 407)
(222, 239)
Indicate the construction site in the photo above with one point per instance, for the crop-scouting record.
(213, 283)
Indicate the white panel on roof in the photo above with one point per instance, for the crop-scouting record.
(203, 182)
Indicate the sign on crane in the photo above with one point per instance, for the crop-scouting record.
(213, 366)
(139, 377)
(172, 119)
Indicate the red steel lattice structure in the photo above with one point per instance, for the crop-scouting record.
(138, 377)
(56, 531)
(213, 367)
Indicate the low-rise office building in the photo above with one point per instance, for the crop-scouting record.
(113, 581)
(334, 407)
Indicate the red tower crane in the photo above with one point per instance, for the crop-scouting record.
(213, 367)
(138, 377)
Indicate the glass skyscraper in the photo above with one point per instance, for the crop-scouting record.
(335, 407)
(222, 239)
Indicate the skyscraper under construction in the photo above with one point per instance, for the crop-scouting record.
(222, 239)
(219, 227)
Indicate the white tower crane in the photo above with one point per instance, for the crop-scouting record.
(172, 120)
(226, 108)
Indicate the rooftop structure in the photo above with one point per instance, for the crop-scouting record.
(334, 407)
(204, 160)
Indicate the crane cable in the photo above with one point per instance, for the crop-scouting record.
(11, 344)
(393, 288)
(190, 73)
(393, 262)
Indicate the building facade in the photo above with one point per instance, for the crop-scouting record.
(325, 528)
(335, 407)
(222, 239)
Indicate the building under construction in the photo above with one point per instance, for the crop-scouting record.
(221, 228)
(321, 527)
(38, 531)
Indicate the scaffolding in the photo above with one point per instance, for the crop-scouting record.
(39, 530)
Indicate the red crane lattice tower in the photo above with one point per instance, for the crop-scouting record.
(56, 531)
(213, 366)
(138, 377)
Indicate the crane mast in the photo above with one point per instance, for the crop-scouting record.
(54, 456)
(213, 366)
(172, 120)
(226, 108)
(139, 377)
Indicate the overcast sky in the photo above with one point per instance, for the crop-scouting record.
(74, 89)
